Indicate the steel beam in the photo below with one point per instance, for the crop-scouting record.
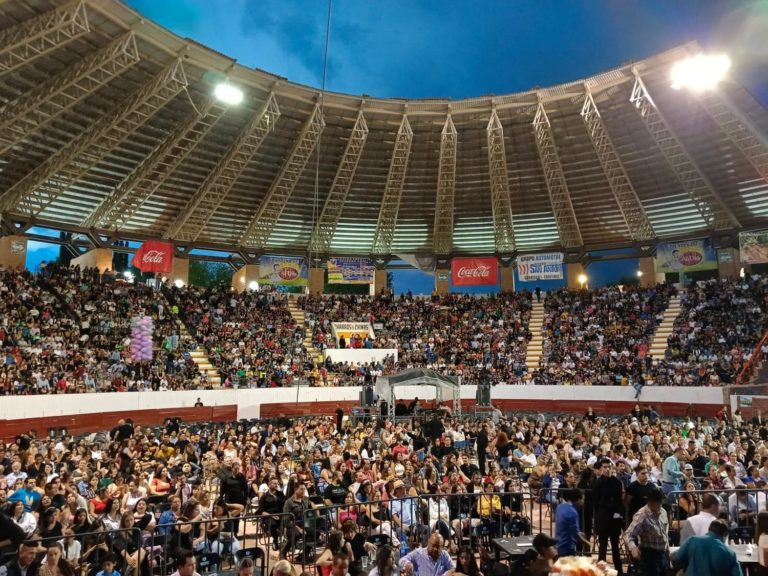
(35, 108)
(22, 43)
(739, 129)
(562, 208)
(501, 203)
(393, 191)
(117, 209)
(38, 189)
(262, 224)
(638, 224)
(325, 228)
(707, 201)
(446, 188)
(195, 216)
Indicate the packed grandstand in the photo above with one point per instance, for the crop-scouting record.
(111, 136)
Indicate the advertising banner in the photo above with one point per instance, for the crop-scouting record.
(474, 271)
(351, 271)
(154, 256)
(532, 267)
(686, 256)
(351, 330)
(282, 271)
(753, 247)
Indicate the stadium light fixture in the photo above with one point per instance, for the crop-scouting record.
(701, 72)
(128, 275)
(582, 279)
(253, 285)
(639, 273)
(179, 283)
(228, 94)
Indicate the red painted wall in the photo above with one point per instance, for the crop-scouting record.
(84, 423)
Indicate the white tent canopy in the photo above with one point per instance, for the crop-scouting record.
(445, 386)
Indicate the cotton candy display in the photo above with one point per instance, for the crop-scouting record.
(141, 339)
(581, 566)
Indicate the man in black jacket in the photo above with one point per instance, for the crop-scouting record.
(24, 564)
(482, 445)
(272, 502)
(609, 507)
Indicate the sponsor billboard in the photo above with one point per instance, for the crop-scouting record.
(686, 256)
(474, 271)
(154, 256)
(350, 329)
(282, 271)
(532, 267)
(351, 271)
(753, 247)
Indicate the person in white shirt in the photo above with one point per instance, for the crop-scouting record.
(698, 524)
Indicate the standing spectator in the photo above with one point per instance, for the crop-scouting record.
(698, 524)
(671, 473)
(709, 555)
(607, 493)
(647, 537)
(567, 523)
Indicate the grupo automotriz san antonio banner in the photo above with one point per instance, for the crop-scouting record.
(351, 271)
(532, 267)
(686, 256)
(474, 271)
(282, 271)
(753, 247)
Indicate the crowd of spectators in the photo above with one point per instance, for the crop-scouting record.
(457, 334)
(68, 330)
(600, 336)
(720, 324)
(439, 481)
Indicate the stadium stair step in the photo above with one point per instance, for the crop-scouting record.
(536, 344)
(199, 355)
(300, 318)
(665, 328)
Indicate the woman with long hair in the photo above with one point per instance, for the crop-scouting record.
(160, 486)
(23, 519)
(55, 564)
(335, 545)
(466, 563)
(112, 515)
(49, 526)
(127, 545)
(144, 520)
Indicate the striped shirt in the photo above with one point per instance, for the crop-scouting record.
(648, 530)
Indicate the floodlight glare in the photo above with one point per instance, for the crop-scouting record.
(582, 279)
(639, 273)
(228, 94)
(179, 283)
(128, 275)
(253, 285)
(700, 73)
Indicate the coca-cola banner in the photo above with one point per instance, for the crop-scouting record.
(474, 271)
(154, 256)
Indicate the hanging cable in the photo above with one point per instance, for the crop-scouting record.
(316, 199)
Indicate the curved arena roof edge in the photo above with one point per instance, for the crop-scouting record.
(108, 127)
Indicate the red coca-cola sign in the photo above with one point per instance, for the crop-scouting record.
(154, 256)
(474, 271)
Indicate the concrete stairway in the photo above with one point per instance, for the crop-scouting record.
(534, 350)
(665, 329)
(299, 316)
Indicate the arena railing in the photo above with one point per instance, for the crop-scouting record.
(459, 520)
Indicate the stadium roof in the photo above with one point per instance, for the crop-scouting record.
(108, 125)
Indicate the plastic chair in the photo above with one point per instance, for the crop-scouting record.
(257, 555)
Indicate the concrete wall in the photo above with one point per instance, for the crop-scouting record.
(100, 258)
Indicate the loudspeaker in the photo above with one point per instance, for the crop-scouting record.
(483, 395)
(367, 396)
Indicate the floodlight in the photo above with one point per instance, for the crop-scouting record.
(228, 94)
(128, 275)
(179, 283)
(253, 285)
(700, 73)
(582, 279)
(639, 273)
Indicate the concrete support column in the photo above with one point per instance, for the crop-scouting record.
(100, 258)
(379, 280)
(442, 281)
(316, 282)
(728, 262)
(507, 278)
(13, 252)
(246, 278)
(180, 271)
(647, 265)
(576, 270)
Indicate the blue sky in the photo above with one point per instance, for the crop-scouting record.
(462, 48)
